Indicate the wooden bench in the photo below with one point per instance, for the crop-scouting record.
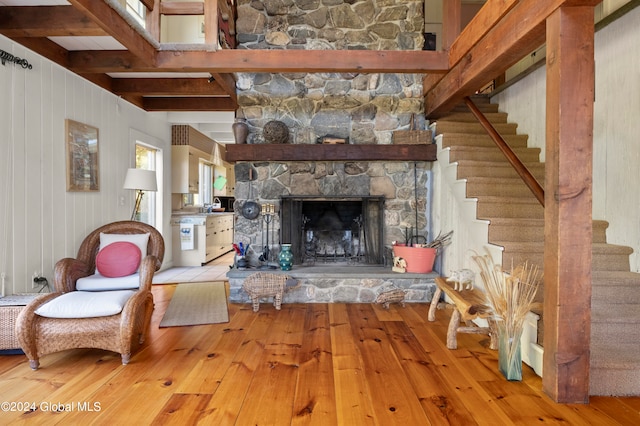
(468, 305)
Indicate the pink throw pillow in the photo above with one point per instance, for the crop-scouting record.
(118, 259)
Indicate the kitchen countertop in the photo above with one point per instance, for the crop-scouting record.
(199, 214)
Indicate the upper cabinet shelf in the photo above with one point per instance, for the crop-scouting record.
(328, 152)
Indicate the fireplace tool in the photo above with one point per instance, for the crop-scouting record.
(415, 239)
(267, 215)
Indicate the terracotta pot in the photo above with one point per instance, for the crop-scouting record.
(419, 259)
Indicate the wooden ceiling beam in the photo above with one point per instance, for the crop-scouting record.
(360, 61)
(168, 87)
(45, 47)
(181, 8)
(519, 32)
(230, 61)
(46, 21)
(486, 18)
(117, 27)
(104, 61)
(228, 83)
(189, 104)
(101, 80)
(149, 4)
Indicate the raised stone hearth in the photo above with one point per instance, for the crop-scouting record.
(341, 284)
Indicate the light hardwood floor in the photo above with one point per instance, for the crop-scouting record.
(316, 364)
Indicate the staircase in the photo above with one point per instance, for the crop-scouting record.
(515, 222)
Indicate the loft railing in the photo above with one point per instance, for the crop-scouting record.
(511, 156)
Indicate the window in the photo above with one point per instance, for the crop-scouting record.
(146, 159)
(205, 187)
(137, 10)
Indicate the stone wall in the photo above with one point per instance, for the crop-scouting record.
(365, 108)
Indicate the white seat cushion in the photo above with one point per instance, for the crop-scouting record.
(85, 304)
(99, 282)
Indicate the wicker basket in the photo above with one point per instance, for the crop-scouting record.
(264, 284)
(10, 308)
(8, 315)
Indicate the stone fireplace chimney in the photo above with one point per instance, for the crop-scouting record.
(363, 109)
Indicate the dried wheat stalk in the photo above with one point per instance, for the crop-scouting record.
(510, 296)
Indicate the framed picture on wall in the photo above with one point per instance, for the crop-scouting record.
(83, 167)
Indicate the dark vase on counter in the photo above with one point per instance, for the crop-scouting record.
(240, 130)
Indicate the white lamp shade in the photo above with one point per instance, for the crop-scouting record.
(144, 180)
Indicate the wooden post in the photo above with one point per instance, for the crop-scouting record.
(568, 199)
(451, 22)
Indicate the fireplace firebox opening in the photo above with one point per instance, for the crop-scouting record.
(346, 230)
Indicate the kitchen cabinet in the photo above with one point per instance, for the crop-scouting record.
(213, 237)
(185, 171)
(219, 235)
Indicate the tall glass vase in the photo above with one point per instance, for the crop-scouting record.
(509, 356)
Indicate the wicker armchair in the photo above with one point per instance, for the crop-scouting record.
(39, 335)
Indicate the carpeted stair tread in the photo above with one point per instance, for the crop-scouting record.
(503, 187)
(470, 168)
(492, 154)
(492, 180)
(621, 313)
(606, 248)
(443, 126)
(468, 117)
(527, 230)
(615, 370)
(516, 229)
(484, 107)
(615, 287)
(625, 356)
(466, 139)
(489, 207)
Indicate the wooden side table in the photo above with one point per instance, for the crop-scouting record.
(10, 307)
(468, 305)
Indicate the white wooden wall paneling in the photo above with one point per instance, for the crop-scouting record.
(40, 222)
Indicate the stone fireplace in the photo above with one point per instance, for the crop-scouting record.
(381, 201)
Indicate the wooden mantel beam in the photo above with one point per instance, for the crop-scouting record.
(329, 152)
